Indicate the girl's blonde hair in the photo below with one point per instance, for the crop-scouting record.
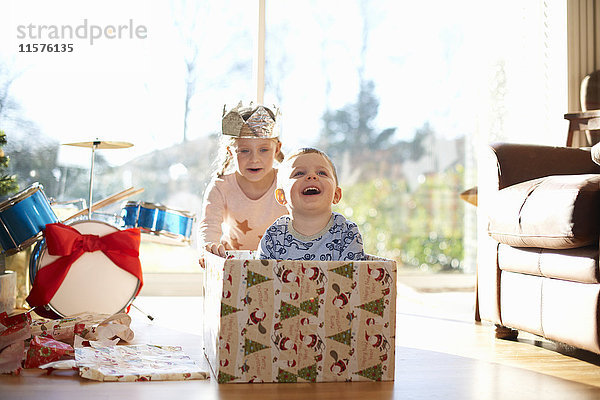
(225, 157)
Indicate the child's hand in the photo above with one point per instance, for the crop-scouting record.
(215, 248)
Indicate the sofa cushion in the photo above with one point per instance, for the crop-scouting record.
(577, 265)
(553, 212)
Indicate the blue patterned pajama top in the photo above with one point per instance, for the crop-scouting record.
(340, 240)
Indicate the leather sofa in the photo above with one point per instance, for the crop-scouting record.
(538, 235)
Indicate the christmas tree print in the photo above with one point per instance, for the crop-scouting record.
(224, 378)
(373, 373)
(346, 270)
(308, 373)
(288, 310)
(375, 306)
(251, 346)
(286, 377)
(227, 309)
(254, 279)
(311, 306)
(343, 337)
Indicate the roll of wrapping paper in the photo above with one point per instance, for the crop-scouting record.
(19, 263)
(8, 291)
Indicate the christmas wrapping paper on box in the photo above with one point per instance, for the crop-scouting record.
(300, 321)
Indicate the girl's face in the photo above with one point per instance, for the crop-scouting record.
(254, 157)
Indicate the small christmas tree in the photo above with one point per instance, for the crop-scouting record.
(8, 183)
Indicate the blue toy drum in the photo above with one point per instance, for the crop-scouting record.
(160, 224)
(23, 217)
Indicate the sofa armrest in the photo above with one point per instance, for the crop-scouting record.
(505, 164)
(516, 163)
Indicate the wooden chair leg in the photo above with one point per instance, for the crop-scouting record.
(504, 332)
(570, 134)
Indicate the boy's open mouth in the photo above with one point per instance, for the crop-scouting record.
(309, 191)
(254, 169)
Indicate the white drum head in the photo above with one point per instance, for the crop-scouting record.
(94, 283)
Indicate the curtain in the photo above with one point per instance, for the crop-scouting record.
(583, 42)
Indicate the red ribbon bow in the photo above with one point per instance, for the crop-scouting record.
(121, 247)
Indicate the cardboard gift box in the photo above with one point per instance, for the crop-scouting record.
(299, 321)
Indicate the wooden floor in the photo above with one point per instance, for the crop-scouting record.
(474, 365)
(439, 355)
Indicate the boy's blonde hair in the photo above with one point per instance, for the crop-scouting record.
(309, 150)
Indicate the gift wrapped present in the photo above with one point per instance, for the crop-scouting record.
(300, 321)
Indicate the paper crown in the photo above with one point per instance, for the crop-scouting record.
(260, 121)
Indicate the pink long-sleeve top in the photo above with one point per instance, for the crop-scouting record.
(245, 219)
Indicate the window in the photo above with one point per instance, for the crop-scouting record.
(401, 94)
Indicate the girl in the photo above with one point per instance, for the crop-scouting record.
(239, 202)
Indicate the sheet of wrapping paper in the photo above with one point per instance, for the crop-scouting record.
(52, 339)
(14, 333)
(14, 330)
(129, 363)
(62, 364)
(65, 329)
(7, 321)
(87, 325)
(11, 358)
(297, 321)
(115, 326)
(79, 342)
(43, 350)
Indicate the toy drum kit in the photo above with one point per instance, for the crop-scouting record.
(161, 224)
(67, 272)
(23, 217)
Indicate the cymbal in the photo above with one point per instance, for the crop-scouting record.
(101, 144)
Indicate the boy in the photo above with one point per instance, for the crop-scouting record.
(308, 187)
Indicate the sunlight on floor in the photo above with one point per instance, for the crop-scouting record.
(442, 296)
